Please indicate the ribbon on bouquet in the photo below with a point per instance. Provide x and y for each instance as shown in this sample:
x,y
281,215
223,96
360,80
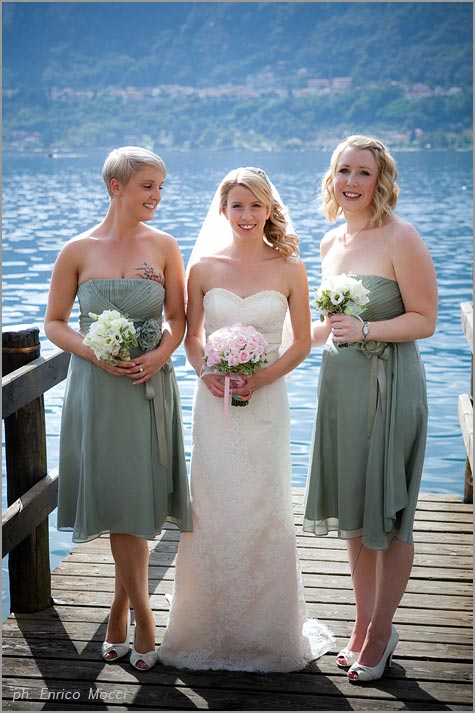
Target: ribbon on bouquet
x,y
226,402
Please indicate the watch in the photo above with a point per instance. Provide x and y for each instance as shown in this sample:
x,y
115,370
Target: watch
x,y
365,331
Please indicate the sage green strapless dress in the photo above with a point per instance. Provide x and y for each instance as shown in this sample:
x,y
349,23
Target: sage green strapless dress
x,y
122,461
370,433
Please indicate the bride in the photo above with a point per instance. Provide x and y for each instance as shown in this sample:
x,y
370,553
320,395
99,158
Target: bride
x,y
238,599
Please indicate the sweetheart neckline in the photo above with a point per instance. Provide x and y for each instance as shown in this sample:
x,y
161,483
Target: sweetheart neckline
x,y
247,297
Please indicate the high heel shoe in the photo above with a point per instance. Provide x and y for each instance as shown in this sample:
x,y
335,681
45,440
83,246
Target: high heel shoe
x,y
120,650
149,659
360,674
348,658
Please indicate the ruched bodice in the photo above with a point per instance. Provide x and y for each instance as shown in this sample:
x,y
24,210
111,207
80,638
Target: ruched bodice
x,y
265,310
370,432
122,461
385,298
137,298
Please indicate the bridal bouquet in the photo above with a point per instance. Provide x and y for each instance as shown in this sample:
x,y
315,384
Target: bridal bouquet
x,y
235,350
341,294
111,335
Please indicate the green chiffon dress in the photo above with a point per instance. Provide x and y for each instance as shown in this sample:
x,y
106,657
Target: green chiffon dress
x,y
122,462
370,433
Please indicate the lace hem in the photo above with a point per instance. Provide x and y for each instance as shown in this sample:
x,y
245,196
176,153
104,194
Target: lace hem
x,y
316,641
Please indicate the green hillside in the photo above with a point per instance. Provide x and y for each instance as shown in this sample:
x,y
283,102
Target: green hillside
x,y
218,75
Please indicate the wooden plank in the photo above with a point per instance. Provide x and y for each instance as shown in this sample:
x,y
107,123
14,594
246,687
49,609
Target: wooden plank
x,y
298,493
59,649
465,413
77,580
27,512
311,681
163,684
466,309
32,380
145,697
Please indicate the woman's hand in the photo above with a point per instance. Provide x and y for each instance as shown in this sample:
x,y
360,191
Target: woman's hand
x,y
346,329
143,367
214,384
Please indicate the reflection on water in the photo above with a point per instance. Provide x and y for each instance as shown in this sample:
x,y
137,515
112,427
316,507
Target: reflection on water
x,y
47,201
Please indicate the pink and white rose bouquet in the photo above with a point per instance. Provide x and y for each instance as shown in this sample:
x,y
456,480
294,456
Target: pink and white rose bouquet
x,y
235,350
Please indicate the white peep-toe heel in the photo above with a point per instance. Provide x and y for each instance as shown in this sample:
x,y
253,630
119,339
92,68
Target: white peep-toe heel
x,y
120,650
361,674
149,659
347,658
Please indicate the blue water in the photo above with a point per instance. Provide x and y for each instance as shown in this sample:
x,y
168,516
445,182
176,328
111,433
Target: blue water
x,y
47,201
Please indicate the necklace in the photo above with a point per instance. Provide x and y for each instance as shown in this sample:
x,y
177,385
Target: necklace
x,y
347,242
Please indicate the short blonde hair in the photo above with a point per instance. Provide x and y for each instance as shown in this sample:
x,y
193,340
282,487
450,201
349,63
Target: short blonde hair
x,y
387,190
275,229
123,162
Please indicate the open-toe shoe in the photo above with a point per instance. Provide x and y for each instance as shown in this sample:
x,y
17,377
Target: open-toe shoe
x,y
347,658
149,659
361,674
120,650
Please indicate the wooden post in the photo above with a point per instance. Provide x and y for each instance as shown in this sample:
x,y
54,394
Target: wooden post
x,y
25,453
466,405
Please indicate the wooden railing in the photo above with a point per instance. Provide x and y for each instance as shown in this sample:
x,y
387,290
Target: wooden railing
x,y
32,492
465,405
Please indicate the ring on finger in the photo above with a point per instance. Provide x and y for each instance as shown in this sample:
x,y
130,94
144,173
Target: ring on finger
x,y
140,368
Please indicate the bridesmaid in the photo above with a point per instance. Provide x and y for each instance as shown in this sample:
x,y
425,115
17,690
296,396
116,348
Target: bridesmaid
x,y
122,464
370,432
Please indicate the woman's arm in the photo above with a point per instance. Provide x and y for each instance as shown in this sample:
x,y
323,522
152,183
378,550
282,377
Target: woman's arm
x,y
319,332
62,293
194,346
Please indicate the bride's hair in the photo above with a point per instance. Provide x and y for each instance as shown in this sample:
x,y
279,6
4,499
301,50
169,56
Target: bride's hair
x,y
275,229
387,190
123,162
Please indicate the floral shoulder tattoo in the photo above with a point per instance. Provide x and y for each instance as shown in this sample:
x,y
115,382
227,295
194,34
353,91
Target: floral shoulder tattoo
x,y
147,272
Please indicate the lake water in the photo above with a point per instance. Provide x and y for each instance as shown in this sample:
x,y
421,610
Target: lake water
x,y
47,201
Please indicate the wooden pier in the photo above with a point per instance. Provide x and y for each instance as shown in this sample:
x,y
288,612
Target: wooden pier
x,y
52,660
52,643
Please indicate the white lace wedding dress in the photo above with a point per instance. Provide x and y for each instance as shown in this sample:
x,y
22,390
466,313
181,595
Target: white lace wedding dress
x,y
238,596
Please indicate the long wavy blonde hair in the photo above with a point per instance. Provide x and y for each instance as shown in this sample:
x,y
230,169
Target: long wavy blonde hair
x,y
275,229
387,190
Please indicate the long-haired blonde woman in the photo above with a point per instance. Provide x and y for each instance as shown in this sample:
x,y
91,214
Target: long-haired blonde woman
x,y
238,597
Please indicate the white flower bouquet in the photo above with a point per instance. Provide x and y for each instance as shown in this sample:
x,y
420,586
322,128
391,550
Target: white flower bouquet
x,y
111,336
235,350
341,294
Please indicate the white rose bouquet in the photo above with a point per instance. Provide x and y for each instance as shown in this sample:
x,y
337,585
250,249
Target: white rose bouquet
x,y
341,294
111,336
235,350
